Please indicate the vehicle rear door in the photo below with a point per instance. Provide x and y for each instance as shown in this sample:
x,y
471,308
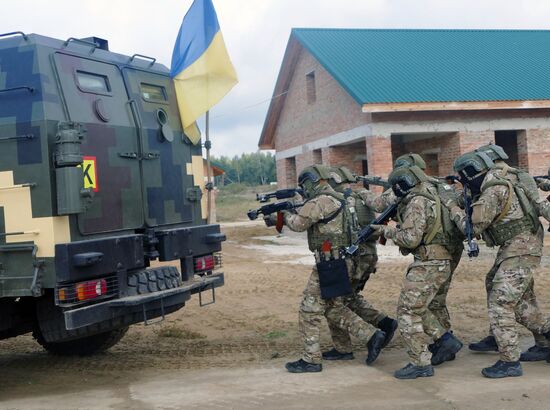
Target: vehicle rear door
x,y
166,153
95,95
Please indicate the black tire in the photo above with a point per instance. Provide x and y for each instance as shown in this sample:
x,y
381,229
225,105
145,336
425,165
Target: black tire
x,y
154,280
84,346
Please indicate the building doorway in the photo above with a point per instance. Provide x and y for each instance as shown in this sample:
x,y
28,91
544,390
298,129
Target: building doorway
x,y
509,141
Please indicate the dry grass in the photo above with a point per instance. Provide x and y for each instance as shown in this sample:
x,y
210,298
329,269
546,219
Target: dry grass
x,y
234,201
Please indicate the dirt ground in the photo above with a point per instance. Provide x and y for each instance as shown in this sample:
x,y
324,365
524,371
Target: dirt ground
x,y
231,354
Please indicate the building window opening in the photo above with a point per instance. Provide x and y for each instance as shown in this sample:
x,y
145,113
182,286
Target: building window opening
x,y
310,87
508,140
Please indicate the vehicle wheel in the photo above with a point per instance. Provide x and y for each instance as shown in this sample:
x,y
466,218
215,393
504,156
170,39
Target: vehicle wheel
x,y
84,346
50,331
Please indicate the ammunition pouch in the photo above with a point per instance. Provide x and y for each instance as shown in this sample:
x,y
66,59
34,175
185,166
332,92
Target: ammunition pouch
x,y
498,235
334,278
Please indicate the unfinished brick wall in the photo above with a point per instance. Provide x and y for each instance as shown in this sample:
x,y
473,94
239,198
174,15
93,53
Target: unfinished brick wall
x,y
286,173
333,111
538,150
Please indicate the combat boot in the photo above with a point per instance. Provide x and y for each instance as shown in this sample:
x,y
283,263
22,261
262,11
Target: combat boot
x,y
411,371
388,326
301,366
535,354
487,344
445,348
375,345
503,369
334,354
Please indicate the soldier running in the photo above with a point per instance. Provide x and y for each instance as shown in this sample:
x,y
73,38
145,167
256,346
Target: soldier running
x,y
424,230
326,217
364,261
504,215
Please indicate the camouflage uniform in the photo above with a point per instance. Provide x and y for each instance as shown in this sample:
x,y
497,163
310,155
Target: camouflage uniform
x,y
313,307
430,271
510,281
438,305
364,264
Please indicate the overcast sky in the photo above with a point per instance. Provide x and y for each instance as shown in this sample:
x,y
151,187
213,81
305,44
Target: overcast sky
x,y
256,33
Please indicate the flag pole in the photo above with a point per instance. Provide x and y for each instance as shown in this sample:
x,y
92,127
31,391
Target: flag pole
x,y
209,186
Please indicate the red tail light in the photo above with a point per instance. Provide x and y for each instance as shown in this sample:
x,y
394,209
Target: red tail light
x,y
91,289
204,263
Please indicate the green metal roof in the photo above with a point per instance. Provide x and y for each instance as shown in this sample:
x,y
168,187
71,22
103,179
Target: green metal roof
x,y
392,66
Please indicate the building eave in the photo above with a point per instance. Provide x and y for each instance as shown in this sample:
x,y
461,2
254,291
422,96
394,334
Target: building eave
x,y
282,85
454,106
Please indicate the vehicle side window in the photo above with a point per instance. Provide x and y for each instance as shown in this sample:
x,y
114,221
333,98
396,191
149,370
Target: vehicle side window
x,y
153,93
93,83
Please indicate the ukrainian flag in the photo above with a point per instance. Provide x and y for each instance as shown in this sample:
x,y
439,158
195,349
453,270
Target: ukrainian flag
x,y
201,68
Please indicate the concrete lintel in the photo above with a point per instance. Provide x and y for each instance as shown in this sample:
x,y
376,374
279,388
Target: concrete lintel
x,y
341,138
404,127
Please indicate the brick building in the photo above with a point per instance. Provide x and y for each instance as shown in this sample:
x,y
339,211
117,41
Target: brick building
x,y
362,97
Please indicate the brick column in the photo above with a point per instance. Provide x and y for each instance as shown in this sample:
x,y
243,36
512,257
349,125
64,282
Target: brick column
x,y
379,156
538,150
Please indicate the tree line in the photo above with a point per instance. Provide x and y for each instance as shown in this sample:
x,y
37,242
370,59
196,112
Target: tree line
x,y
257,168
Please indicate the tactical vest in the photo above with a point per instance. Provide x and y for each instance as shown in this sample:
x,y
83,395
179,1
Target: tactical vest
x,y
316,237
500,232
365,215
443,231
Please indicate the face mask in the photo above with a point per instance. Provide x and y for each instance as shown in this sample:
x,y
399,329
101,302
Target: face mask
x,y
475,185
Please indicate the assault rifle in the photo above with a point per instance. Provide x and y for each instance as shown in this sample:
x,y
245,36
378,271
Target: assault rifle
x,y
473,247
367,231
272,208
374,180
280,194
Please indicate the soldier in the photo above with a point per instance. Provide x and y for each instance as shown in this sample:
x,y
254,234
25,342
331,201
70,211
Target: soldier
x,y
541,349
506,218
424,230
544,183
326,217
438,305
364,262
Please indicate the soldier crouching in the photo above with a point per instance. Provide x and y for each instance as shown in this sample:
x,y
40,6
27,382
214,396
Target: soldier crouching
x,y
425,230
326,218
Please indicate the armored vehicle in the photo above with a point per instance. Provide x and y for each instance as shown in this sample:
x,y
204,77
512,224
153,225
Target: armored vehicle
x,y
97,180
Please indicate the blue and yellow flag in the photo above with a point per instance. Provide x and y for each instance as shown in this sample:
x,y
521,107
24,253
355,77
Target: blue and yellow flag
x,y
201,68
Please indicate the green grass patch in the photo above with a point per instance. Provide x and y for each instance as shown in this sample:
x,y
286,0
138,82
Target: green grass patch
x,y
276,334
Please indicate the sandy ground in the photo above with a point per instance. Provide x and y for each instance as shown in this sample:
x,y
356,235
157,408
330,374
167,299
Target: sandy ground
x,y
231,354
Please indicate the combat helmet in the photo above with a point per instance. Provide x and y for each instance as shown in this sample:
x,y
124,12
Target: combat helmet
x,y
409,160
310,177
472,165
403,179
495,152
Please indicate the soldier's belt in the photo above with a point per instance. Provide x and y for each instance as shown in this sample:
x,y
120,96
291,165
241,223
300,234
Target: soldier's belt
x,y
503,232
431,252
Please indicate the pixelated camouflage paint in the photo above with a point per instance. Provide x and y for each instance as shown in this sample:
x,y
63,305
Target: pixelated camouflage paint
x,y
123,203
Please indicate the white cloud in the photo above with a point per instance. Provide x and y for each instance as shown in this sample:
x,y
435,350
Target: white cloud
x,y
256,32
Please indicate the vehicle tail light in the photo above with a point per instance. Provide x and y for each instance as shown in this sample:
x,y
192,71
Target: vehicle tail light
x,y
204,263
91,289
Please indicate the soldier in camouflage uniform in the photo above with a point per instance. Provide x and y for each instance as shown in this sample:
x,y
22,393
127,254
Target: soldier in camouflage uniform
x,y
424,230
438,305
544,183
364,261
325,217
541,349
504,215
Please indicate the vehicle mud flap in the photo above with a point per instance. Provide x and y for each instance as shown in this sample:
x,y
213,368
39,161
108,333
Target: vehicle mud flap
x,y
148,322
333,278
